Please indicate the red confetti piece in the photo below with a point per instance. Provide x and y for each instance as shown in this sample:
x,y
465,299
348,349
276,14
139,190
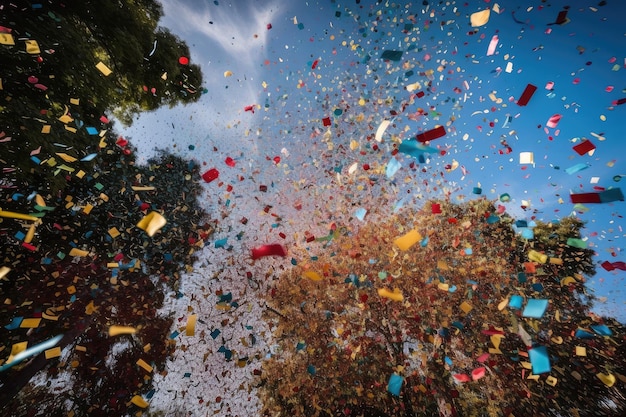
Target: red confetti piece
x,y
584,147
211,175
121,142
431,134
230,161
268,250
526,95
183,60
610,266
461,377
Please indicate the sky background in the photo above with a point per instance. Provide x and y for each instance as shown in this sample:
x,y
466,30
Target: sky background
x,y
322,59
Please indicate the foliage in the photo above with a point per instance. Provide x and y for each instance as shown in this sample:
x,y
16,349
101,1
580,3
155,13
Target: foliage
x,y
63,163
60,89
86,295
339,341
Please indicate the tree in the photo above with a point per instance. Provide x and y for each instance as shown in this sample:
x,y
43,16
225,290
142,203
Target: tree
x,y
80,264
89,267
428,299
54,96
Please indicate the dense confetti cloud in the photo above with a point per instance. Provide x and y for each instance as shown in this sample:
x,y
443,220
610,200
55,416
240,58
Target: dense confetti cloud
x,y
362,208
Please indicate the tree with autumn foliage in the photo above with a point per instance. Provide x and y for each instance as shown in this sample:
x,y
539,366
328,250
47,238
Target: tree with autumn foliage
x,y
417,315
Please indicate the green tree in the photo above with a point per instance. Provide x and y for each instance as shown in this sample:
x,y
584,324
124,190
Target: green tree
x,y
440,316
55,99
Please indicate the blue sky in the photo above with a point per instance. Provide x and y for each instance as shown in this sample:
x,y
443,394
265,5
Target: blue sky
x,y
321,59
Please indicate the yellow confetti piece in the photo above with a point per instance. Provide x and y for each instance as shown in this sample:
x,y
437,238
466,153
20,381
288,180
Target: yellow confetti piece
x,y
39,200
312,275
151,223
50,317
18,216
466,307
106,71
139,401
55,352
78,252
16,349
607,379
557,339
117,330
603,118
7,39
45,129
66,157
443,286
90,308
406,241
71,290
581,351
191,325
4,271
32,323
395,295
143,188
550,380
30,234
87,209
32,47
568,280
537,257
480,18
75,101
113,232
144,365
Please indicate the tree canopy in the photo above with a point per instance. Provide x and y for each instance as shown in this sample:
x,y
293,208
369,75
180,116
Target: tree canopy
x,y
452,310
90,239
67,66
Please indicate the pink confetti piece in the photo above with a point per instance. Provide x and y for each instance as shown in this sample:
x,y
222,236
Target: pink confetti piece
x,y
553,121
492,45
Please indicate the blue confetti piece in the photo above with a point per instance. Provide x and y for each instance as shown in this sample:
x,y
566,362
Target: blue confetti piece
x,y
535,308
539,360
89,157
576,168
360,213
91,130
15,323
516,302
215,333
395,384
601,329
392,167
220,243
